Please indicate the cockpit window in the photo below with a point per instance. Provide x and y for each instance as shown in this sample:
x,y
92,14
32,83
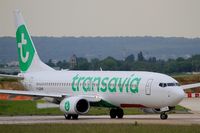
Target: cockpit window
x,y
168,84
162,84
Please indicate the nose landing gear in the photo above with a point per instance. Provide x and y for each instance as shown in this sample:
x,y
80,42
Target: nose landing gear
x,y
163,116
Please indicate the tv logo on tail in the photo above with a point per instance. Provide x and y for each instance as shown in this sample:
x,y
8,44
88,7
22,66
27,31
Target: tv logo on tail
x,y
20,45
25,48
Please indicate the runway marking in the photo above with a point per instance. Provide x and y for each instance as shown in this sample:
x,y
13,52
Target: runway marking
x,y
178,119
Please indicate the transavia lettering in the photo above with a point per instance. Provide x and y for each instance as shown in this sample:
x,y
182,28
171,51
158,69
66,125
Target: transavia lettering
x,y
106,84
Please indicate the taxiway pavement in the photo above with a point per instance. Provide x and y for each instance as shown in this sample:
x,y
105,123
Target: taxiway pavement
x,y
178,119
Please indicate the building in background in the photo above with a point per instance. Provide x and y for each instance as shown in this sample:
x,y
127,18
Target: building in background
x,y
73,61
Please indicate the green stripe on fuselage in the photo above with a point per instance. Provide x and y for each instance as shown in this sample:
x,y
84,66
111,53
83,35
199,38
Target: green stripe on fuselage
x,y
103,103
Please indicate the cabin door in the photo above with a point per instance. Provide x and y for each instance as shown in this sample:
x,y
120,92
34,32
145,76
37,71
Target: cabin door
x,y
148,87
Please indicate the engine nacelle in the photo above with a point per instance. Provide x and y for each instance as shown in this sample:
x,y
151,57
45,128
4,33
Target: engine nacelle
x,y
74,105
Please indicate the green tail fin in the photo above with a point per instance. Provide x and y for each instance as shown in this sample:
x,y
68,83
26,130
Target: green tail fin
x,y
27,54
25,48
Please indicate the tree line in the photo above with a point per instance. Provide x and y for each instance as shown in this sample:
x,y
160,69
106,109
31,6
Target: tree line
x,y
131,63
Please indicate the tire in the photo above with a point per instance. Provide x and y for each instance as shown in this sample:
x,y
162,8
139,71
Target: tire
x,y
113,113
67,116
75,116
120,113
163,116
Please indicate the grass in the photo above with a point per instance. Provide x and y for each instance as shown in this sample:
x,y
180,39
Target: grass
x,y
11,108
29,108
187,79
25,108
98,128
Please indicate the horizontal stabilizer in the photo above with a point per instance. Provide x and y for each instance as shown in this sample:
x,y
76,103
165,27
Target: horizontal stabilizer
x,y
11,76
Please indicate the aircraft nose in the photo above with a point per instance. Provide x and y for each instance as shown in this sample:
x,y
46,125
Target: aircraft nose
x,y
177,95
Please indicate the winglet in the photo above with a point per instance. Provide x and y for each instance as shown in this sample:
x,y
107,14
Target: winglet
x,y
18,18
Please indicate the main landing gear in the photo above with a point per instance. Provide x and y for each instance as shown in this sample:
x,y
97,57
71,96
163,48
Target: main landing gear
x,y
118,112
163,116
71,116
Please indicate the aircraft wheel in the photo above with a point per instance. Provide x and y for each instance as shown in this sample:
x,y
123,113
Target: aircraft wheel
x,y
120,113
163,116
113,113
67,116
75,116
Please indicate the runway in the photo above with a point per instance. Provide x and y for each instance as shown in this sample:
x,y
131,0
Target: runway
x,y
179,119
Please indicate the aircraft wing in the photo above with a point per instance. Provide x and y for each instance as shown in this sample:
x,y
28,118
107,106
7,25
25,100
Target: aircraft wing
x,y
189,86
90,98
11,76
31,93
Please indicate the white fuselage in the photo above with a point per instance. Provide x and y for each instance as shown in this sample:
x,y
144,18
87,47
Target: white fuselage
x,y
119,88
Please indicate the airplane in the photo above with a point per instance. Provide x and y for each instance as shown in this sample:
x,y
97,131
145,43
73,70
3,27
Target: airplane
x,y
76,91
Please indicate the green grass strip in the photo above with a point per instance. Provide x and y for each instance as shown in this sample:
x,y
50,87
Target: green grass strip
x,y
98,128
11,108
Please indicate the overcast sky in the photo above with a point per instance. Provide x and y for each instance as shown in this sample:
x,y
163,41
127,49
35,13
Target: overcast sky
x,y
169,18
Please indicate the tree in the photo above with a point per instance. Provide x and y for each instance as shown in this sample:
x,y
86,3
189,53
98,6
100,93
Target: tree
x,y
130,58
152,59
62,64
83,63
50,63
109,64
140,56
95,64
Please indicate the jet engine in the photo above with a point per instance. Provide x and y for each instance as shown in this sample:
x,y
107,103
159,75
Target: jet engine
x,y
74,105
